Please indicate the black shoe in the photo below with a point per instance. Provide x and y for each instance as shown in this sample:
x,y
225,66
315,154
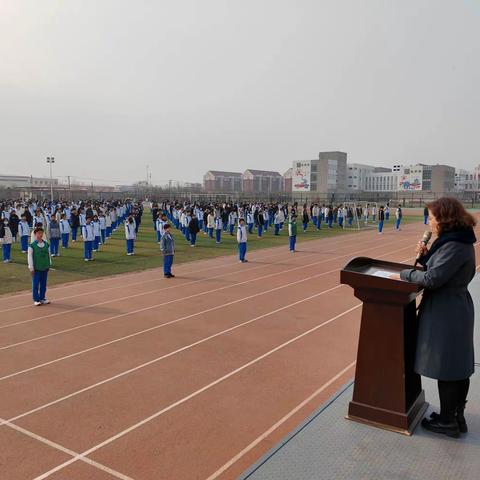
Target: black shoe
x,y
462,424
437,426
167,275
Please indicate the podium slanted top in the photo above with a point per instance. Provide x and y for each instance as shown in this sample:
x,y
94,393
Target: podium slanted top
x,y
368,273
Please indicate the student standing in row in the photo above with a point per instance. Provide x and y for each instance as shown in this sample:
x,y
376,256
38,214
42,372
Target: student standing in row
x,y
54,236
398,215
218,229
108,225
24,231
64,230
305,218
250,222
167,247
210,224
260,222
88,238
242,240
425,215
103,227
97,234
39,264
193,228
75,224
6,240
292,233
381,219
130,235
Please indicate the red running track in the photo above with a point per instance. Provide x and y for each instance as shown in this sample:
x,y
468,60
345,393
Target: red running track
x,y
138,377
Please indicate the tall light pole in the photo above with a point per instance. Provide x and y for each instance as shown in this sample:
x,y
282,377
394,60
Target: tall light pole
x,y
50,161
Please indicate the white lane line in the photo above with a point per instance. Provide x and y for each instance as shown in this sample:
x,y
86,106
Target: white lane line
x,y
162,325
116,300
181,299
290,414
83,457
127,285
170,354
192,395
156,327
61,448
156,290
160,272
167,355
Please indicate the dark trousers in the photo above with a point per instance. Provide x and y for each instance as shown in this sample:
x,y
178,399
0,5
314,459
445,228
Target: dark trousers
x,y
452,395
39,285
167,264
242,250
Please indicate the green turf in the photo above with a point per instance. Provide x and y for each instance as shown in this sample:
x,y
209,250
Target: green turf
x,y
112,259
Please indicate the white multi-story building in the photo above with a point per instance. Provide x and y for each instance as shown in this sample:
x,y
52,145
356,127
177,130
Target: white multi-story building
x,y
356,176
381,182
466,181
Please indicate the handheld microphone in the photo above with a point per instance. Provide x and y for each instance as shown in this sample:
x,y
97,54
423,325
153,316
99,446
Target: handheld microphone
x,y
425,239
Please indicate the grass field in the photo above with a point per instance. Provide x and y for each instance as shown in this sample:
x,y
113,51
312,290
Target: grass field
x,y
112,259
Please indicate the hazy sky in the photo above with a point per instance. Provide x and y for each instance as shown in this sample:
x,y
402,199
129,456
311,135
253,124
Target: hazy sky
x,y
110,86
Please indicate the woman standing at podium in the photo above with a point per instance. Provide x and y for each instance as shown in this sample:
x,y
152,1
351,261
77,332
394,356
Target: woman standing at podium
x,y
446,315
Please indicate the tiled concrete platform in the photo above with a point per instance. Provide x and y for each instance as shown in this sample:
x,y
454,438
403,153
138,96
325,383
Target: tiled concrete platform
x,y
327,446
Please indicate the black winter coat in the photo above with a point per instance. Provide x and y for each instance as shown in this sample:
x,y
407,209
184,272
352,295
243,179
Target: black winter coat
x,y
446,316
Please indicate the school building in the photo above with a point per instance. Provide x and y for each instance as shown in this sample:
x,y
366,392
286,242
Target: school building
x,y
215,181
261,181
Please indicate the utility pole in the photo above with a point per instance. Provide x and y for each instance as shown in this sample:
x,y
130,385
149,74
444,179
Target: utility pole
x,y
51,161
69,188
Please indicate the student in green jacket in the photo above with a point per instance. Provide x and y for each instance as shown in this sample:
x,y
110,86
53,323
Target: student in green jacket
x,y
39,264
292,232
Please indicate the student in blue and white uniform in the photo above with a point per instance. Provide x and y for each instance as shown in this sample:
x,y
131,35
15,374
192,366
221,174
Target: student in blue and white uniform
x,y
130,235
340,216
266,219
97,234
88,238
24,232
387,213
250,221
232,221
64,230
103,227
398,216
276,223
108,225
242,240
381,219
54,236
167,247
210,224
159,223
6,240
218,229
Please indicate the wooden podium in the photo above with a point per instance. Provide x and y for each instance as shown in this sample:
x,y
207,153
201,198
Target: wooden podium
x,y
387,392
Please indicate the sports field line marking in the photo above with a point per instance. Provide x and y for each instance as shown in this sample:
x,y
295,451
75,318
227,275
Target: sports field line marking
x,y
159,273
290,414
157,270
192,395
96,322
63,449
170,354
177,285
156,290
82,456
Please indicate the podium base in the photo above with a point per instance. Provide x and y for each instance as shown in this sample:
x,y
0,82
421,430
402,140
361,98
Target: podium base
x,y
404,423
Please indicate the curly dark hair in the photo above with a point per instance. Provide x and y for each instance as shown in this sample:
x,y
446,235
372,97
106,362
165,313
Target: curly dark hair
x,y
451,215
